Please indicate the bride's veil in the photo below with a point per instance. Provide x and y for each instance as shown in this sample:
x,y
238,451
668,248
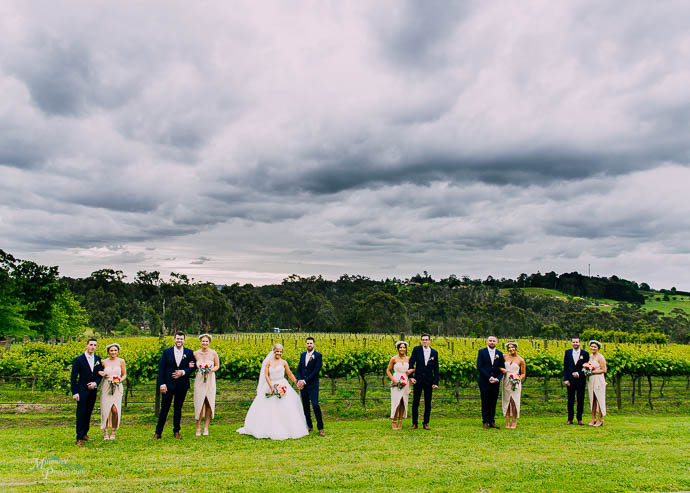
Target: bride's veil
x,y
262,388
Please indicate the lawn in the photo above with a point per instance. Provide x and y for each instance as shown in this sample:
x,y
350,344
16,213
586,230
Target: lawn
x,y
630,453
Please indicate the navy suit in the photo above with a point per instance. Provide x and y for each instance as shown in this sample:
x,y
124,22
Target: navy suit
x,y
488,390
426,375
310,393
577,385
81,376
177,388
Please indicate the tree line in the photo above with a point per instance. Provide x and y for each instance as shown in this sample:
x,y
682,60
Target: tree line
x,y
35,301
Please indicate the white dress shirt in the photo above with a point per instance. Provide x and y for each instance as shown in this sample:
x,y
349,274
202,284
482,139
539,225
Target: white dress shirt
x,y
492,354
576,355
178,355
307,357
90,359
427,354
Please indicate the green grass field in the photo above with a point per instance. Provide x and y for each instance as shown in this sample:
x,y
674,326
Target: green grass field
x,y
630,453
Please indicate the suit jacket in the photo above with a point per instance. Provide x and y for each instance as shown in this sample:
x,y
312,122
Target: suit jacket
x,y
424,373
167,365
488,368
309,372
570,367
83,375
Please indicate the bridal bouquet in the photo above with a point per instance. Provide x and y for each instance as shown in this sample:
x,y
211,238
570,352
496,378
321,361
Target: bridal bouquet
x,y
205,369
278,391
588,369
114,383
514,380
402,383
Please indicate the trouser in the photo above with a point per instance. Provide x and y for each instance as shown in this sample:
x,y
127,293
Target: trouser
x,y
84,409
489,395
576,389
178,395
310,395
416,396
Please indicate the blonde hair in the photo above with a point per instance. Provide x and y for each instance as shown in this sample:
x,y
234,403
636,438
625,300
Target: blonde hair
x,y
277,345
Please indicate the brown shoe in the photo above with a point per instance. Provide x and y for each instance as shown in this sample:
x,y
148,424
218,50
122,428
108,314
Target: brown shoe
x,y
487,425
413,427
580,423
178,436
426,427
87,439
494,425
156,436
322,433
310,429
569,422
80,443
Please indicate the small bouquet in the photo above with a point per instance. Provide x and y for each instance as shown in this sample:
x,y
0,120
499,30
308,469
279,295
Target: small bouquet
x,y
278,390
588,369
205,369
514,380
401,384
114,383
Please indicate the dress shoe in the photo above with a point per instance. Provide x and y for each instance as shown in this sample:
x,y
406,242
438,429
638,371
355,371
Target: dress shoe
x,y
580,423
80,443
178,436
310,429
494,425
322,433
569,422
426,427
156,436
87,439
487,425
413,427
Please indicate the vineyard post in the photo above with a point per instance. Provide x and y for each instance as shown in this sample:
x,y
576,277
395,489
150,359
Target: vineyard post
x,y
546,388
633,390
649,395
157,405
363,391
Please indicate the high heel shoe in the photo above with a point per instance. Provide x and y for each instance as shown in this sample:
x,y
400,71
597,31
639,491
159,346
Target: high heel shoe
x,y
205,432
106,437
198,433
112,436
598,424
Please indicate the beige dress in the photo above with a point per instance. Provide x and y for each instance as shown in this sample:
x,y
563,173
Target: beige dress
x,y
508,391
204,390
397,395
108,400
596,385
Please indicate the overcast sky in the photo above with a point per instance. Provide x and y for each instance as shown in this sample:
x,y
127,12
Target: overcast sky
x,y
246,141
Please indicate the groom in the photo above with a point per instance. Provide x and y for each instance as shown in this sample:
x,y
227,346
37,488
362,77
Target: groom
x,y
174,368
489,363
424,362
308,383
574,378
84,381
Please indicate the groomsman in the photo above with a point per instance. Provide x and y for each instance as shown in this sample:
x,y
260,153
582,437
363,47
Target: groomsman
x,y
174,368
308,370
424,362
489,363
84,381
574,378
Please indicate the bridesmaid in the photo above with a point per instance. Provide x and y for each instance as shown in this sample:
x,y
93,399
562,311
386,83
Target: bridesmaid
x,y
114,370
596,384
205,383
514,365
400,364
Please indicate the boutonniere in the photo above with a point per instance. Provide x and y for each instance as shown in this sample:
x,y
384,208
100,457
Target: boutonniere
x,y
312,358
431,358
97,363
495,356
582,357
184,356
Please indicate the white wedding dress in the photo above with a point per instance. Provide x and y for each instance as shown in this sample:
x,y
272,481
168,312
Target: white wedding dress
x,y
274,418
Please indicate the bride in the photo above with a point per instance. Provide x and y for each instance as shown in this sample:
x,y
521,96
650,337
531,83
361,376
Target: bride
x,y
276,412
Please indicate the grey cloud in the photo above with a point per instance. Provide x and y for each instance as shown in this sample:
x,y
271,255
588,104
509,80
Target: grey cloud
x,y
200,260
